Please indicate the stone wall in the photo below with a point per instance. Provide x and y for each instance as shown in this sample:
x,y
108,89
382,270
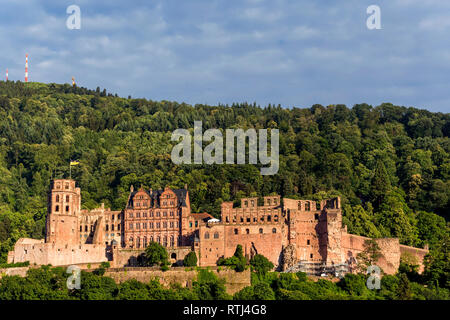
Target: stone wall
x,y
56,254
128,257
20,271
234,281
418,254
391,251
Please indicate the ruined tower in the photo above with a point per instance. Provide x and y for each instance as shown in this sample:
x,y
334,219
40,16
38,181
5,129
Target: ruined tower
x,y
64,204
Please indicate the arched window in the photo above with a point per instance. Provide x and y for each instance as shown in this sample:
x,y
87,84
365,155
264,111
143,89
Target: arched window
x,y
131,241
145,242
173,256
275,218
159,240
299,206
236,231
165,241
247,231
216,235
107,227
138,242
172,242
57,208
274,230
57,198
269,218
260,230
85,228
67,198
206,235
308,206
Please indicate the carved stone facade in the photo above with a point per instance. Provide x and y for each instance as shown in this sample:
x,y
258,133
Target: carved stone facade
x,y
288,232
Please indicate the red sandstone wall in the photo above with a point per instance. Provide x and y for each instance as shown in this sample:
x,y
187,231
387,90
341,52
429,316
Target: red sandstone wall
x,y
234,281
419,254
58,254
267,243
390,250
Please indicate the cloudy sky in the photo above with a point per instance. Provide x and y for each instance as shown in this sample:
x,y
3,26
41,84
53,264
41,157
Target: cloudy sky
x,y
292,52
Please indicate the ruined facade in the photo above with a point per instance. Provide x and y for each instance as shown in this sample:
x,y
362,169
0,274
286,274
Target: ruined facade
x,y
290,233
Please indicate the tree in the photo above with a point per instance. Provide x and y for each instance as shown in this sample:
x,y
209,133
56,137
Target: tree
x,y
209,287
190,260
238,261
156,254
261,265
437,264
404,288
369,256
262,291
380,184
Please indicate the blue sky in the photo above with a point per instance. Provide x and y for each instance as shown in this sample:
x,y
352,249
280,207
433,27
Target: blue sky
x,y
292,52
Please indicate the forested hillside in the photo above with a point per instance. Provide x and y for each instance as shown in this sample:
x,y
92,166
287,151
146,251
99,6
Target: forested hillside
x,y
390,164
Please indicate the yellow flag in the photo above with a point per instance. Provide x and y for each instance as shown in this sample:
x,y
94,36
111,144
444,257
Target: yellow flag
x,y
74,163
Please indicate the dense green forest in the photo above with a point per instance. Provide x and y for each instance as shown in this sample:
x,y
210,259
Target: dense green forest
x,y
390,164
47,283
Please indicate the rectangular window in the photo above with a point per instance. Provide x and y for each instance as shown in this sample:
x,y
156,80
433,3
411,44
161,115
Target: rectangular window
x,y
131,226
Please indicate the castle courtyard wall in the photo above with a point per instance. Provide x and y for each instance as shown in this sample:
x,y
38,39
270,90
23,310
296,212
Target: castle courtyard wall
x,y
58,254
234,281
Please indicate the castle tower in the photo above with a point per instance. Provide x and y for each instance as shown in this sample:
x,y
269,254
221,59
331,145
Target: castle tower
x,y
64,206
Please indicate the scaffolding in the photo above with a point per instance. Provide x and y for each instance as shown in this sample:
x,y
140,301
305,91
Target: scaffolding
x,y
320,269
